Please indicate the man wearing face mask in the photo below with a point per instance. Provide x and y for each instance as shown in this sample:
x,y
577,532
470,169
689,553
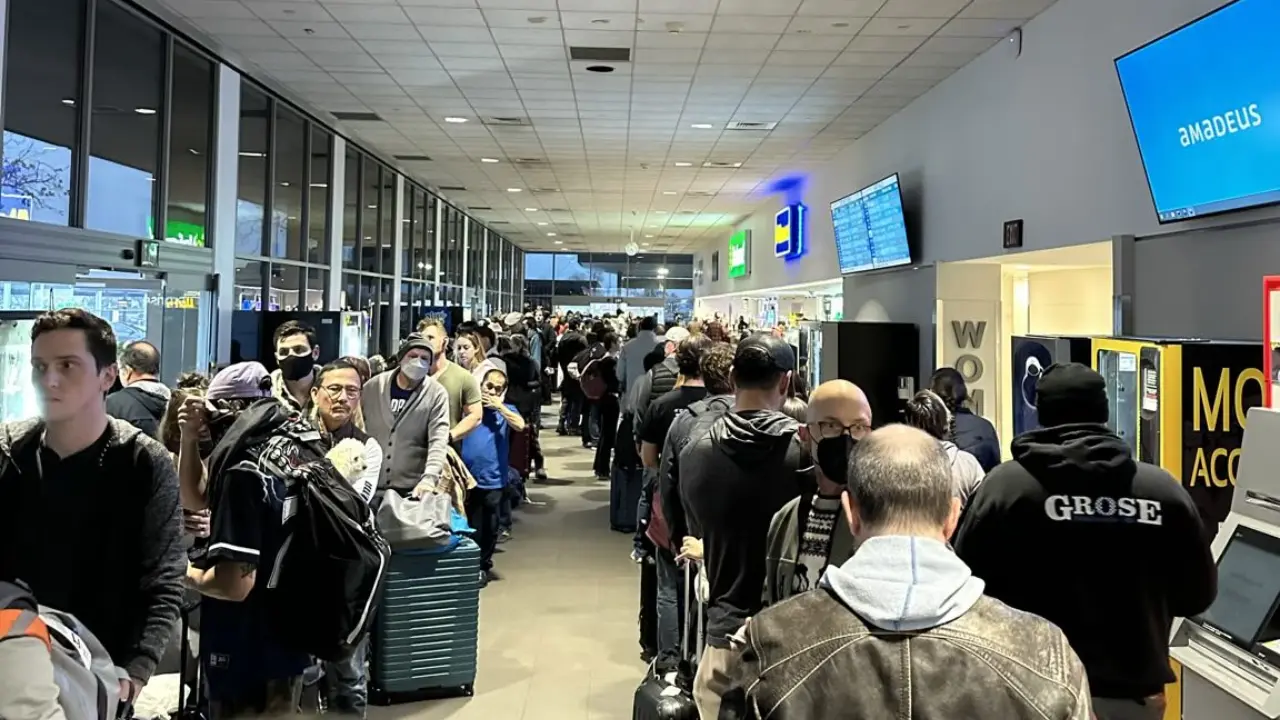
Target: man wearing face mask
x,y
809,533
407,413
295,375
734,477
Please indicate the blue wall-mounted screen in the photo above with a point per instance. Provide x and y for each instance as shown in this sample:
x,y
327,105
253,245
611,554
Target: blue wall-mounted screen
x,y
1205,105
870,229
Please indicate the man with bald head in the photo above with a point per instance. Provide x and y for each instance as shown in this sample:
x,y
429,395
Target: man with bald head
x,y
904,616
808,533
142,400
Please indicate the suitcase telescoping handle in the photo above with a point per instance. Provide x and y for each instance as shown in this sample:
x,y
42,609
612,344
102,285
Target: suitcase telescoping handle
x,y
693,609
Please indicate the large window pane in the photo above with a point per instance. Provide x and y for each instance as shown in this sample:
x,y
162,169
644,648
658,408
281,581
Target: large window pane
x,y
286,287
428,260
290,183
317,282
189,147
387,224
415,235
372,183
351,291
249,284
41,101
124,142
251,198
350,212
318,227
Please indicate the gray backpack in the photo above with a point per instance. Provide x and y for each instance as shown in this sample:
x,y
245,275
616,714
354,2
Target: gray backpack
x,y
88,682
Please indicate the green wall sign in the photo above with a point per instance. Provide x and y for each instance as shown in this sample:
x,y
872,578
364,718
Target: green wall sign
x,y
740,254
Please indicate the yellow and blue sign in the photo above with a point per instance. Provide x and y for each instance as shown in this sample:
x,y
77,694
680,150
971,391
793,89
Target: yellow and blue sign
x,y
788,231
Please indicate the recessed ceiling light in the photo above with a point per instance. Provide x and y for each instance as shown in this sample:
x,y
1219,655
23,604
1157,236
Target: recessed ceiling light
x,y
373,207
489,160
541,224
320,185
251,154
559,242
284,183
454,119
659,212
551,234
668,192
145,111
513,189
648,236
193,151
702,126
69,101
645,244
684,164
600,68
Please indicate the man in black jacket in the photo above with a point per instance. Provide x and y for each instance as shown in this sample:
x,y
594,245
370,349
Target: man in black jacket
x,y
142,400
734,477
571,343
89,517
1106,548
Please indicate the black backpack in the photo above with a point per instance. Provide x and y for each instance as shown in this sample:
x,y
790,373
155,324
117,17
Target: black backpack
x,y
323,587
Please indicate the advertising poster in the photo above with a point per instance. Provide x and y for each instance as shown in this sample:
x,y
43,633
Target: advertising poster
x,y
1220,382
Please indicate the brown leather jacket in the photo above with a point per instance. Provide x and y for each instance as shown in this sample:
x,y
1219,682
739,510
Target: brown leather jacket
x,y
812,658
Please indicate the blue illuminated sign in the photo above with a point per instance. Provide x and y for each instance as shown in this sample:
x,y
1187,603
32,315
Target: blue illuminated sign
x,y
788,231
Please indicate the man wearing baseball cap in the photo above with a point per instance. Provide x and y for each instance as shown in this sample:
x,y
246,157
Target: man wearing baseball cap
x,y
1109,549
407,412
739,472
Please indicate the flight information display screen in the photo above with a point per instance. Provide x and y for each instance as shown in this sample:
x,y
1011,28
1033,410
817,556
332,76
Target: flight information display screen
x,y
870,228
1248,587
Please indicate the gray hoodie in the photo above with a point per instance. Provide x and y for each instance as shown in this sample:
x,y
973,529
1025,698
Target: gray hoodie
x,y
966,472
905,584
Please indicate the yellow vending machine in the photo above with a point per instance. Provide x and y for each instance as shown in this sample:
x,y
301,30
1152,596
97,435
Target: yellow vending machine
x,y
1181,404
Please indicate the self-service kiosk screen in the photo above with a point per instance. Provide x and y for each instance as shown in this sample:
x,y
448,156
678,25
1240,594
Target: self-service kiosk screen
x,y
1248,587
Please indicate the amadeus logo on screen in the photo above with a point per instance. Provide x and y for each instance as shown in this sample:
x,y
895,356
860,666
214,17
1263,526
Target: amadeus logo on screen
x,y
1229,123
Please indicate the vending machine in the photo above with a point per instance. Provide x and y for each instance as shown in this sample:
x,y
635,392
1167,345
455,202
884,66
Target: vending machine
x,y
882,358
1032,354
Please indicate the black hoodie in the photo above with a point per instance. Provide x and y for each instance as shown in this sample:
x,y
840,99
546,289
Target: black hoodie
x,y
733,479
1108,549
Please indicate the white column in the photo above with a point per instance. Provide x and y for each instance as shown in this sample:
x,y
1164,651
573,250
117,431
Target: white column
x,y
337,205
467,291
226,173
440,241
397,260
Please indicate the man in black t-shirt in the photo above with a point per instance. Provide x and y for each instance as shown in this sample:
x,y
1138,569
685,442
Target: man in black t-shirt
x,y
654,425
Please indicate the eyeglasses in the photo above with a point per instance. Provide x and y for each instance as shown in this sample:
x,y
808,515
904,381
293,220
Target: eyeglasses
x,y
826,429
336,391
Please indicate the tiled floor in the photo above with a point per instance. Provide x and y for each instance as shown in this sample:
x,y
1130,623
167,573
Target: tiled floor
x,y
558,637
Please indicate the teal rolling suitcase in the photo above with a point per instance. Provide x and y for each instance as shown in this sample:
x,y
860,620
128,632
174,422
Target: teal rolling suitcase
x,y
425,635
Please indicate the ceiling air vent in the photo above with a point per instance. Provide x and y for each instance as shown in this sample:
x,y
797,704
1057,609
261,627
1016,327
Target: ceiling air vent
x,y
601,54
498,222
544,190
413,158
507,121
751,125
356,116
687,212
478,207
451,188
530,162
551,210
700,193
721,165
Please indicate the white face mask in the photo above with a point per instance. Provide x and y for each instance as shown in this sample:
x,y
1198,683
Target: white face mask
x,y
415,370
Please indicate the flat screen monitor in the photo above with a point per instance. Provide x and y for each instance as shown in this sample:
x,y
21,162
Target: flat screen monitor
x,y
1204,102
870,229
1248,593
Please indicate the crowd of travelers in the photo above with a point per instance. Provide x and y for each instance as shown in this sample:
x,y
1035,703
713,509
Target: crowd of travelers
x,y
810,542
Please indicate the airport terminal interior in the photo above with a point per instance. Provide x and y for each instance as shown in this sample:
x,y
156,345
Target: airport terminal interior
x,y
890,186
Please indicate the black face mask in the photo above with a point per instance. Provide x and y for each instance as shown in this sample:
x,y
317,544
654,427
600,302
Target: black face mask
x,y
833,457
296,367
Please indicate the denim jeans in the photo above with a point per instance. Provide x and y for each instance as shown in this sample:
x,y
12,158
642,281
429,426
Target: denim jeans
x,y
510,496
347,684
482,514
624,498
671,609
570,406
591,423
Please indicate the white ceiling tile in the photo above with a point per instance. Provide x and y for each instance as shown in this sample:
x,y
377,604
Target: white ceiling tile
x,y
666,55
702,7
344,61
454,34
382,31
515,4
439,3
795,41
979,28
445,50
606,6
237,27
945,60
671,40
213,9
288,10
366,13
531,52
446,17
294,29
730,70
598,21
365,79
599,38
246,43
808,25
749,24
855,72
880,43
519,19
758,7
1005,9
509,36
335,45
922,27
921,8
870,59
664,22
966,45
920,73
841,8
281,60
801,57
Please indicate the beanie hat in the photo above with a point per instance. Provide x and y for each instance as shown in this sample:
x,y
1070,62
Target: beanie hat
x,y
417,340
1070,393
241,381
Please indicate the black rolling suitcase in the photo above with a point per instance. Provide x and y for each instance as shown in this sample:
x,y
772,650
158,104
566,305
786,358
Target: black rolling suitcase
x,y
658,699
